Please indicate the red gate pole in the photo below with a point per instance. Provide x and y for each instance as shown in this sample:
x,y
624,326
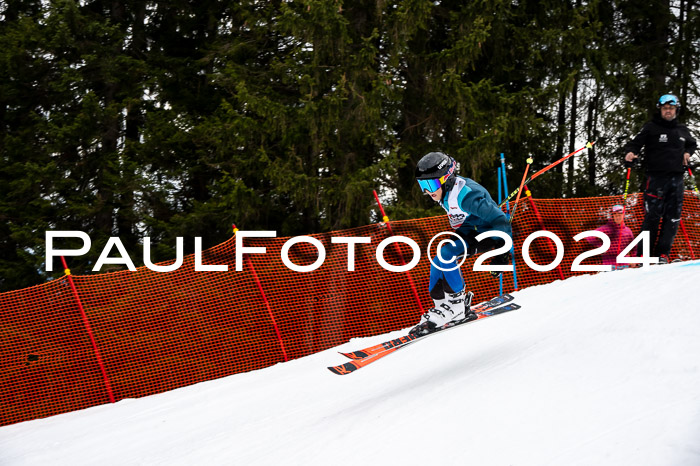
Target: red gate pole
x,y
687,240
88,328
539,219
520,189
267,303
385,219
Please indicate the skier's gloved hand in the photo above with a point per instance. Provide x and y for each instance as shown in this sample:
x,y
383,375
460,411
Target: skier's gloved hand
x,y
629,164
501,259
471,242
487,244
475,247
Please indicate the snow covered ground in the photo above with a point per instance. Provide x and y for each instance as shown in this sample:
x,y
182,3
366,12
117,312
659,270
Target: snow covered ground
x,y
594,370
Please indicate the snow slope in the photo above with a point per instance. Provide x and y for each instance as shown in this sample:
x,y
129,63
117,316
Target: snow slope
x,y
594,370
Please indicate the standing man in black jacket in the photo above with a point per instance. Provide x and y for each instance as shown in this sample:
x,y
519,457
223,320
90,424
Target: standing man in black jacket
x,y
668,148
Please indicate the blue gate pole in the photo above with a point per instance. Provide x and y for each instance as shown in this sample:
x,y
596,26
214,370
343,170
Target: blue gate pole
x,y
500,277
512,249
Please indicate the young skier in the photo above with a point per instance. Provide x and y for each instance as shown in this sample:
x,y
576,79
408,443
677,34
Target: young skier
x,y
471,211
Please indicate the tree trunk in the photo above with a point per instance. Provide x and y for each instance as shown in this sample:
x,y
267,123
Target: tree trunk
x,y
559,151
572,138
592,135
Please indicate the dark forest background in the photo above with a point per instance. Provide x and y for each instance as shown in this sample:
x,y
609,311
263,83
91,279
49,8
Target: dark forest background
x,y
180,117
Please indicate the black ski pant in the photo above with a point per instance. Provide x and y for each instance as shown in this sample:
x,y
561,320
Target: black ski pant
x,y
663,202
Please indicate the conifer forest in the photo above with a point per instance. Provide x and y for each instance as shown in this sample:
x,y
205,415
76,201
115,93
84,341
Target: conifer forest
x,y
177,118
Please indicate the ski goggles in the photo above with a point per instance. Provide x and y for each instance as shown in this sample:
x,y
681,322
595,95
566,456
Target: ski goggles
x,y
431,185
617,209
669,99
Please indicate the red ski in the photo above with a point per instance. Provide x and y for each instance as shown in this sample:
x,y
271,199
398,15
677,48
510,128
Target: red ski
x,y
369,355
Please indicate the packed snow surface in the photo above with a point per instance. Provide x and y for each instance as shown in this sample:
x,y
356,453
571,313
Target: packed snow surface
x,y
594,370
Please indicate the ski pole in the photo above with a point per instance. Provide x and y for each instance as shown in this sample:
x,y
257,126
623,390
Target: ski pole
x,y
627,187
551,165
695,185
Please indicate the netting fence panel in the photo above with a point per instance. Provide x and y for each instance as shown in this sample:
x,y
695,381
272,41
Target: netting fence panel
x,y
159,331
47,365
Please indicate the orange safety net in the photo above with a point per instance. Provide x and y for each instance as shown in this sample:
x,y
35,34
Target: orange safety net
x,y
160,331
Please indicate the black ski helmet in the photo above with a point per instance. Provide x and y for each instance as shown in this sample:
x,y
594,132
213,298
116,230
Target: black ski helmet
x,y
434,170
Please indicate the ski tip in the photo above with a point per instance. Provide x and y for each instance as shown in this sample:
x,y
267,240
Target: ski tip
x,y
343,369
500,310
355,355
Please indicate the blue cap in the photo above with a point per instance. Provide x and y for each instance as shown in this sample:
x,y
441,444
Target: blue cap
x,y
669,99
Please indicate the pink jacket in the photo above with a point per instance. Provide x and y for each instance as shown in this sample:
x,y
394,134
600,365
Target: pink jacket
x,y
620,237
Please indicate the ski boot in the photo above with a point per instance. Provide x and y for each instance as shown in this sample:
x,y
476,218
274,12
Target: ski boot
x,y
468,313
453,308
